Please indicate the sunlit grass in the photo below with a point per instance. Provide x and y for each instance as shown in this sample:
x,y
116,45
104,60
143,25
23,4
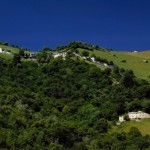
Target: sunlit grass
x,y
143,126
5,56
134,61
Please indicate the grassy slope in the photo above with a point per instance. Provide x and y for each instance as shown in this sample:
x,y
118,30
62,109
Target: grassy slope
x,y
11,49
134,61
143,126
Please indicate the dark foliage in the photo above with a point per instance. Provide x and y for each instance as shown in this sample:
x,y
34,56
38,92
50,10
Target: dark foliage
x,y
67,104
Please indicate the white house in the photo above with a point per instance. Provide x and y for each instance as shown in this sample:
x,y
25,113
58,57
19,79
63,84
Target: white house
x,y
135,116
33,55
135,51
93,59
138,115
55,55
4,51
121,119
1,50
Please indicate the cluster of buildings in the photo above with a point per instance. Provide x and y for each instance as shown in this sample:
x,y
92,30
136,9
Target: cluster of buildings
x,y
135,116
93,60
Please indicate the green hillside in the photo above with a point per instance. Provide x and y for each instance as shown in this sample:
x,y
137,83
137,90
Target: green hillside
x,y
68,104
142,125
9,48
5,56
13,50
134,61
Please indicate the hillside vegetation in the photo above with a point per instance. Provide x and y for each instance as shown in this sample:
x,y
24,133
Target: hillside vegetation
x,y
133,61
69,104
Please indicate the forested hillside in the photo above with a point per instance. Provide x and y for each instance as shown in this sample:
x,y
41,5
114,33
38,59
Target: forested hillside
x,y
68,104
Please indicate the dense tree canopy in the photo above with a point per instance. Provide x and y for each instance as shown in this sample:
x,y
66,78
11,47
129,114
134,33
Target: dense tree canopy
x,y
67,104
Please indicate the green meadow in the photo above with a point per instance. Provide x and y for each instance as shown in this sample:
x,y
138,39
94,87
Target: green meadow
x,y
12,49
9,48
5,56
143,126
134,61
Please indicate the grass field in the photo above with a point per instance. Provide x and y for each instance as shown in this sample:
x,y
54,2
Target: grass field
x,y
5,56
143,126
134,61
11,49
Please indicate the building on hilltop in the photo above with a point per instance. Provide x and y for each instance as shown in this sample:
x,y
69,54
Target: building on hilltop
x,y
33,55
63,54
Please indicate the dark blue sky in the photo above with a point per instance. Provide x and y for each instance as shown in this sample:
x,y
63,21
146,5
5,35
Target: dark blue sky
x,y
116,24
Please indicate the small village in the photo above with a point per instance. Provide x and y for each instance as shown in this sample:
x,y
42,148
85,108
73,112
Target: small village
x,y
88,58
33,56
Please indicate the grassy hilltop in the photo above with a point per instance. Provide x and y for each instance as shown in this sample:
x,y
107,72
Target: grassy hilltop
x,y
9,48
134,61
13,50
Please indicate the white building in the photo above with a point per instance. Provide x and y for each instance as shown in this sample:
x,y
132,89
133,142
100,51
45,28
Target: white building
x,y
1,50
105,64
138,115
4,51
55,55
93,59
33,55
135,116
121,119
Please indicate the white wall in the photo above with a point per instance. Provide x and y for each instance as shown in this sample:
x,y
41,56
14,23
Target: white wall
x,y
121,119
139,114
0,50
